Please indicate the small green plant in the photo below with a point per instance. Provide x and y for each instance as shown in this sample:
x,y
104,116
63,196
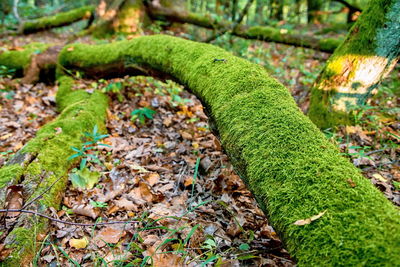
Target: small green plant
x,y
98,204
360,152
142,114
93,140
5,71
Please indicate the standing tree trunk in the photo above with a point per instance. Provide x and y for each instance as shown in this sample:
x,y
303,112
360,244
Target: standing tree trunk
x,y
122,16
276,9
314,6
368,54
260,4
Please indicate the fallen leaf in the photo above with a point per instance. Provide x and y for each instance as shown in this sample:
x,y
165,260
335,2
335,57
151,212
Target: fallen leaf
x,y
309,220
108,235
379,177
71,48
126,204
152,178
85,210
351,182
78,243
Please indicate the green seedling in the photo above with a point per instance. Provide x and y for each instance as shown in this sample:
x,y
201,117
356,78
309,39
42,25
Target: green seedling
x,y
142,114
93,140
98,204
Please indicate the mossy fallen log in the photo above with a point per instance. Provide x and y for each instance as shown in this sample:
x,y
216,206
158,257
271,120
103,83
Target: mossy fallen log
x,y
288,164
43,163
58,20
19,59
263,33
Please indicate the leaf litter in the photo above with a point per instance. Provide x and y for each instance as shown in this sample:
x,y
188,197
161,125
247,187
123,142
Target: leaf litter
x,y
148,175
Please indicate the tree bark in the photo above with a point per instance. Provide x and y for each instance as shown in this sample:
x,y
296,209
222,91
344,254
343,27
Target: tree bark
x,y
288,164
368,54
118,16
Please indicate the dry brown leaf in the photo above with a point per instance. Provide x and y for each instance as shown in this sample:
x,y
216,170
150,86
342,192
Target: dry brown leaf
x,y
379,177
14,199
188,181
309,220
108,235
4,252
186,135
152,178
126,204
85,210
145,192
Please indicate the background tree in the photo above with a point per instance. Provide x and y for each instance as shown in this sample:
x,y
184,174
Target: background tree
x,y
368,54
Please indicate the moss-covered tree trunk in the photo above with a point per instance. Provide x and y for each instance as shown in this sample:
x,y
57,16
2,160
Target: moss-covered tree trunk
x,y
288,164
368,54
58,20
119,16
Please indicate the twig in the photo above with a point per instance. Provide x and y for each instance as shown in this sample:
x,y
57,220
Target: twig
x,y
65,222
41,195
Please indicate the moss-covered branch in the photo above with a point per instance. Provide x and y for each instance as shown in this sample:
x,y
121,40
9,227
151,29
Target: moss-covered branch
x,y
44,161
18,60
264,33
293,171
61,19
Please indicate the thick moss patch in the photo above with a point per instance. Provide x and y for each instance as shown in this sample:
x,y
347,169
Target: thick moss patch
x,y
19,59
51,147
291,168
61,19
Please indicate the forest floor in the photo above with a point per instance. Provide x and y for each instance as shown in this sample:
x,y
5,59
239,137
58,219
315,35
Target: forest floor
x,y
169,173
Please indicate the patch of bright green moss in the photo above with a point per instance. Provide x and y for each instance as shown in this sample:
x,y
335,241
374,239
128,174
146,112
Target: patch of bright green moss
x,y
19,59
23,242
8,173
285,160
61,19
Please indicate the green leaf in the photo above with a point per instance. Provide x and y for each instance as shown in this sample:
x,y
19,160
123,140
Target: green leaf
x,y
84,178
396,185
244,246
246,257
190,234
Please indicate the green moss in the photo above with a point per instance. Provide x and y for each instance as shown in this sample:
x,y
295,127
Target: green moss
x,y
58,20
288,164
9,173
374,34
19,59
23,242
80,112
271,34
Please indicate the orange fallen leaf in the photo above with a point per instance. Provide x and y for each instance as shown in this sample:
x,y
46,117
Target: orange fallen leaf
x,y
71,48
